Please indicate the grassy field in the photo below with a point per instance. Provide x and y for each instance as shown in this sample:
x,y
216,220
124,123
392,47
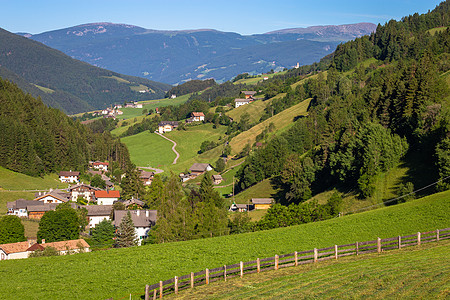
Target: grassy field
x,y
119,272
280,121
149,150
254,109
294,85
416,272
10,180
255,80
261,190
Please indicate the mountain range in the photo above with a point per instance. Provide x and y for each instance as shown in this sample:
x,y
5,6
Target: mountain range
x,y
66,83
177,56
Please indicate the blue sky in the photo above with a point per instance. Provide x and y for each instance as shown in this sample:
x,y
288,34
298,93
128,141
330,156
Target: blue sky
x,y
243,16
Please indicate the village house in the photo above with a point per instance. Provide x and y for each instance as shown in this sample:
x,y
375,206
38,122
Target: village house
x,y
198,169
53,196
262,203
23,249
84,191
107,197
20,207
241,207
146,177
98,213
133,203
37,211
143,221
239,102
69,176
166,126
248,94
99,165
197,116
217,179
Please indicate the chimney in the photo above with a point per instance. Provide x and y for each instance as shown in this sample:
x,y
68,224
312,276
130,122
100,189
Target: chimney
x,y
137,212
146,213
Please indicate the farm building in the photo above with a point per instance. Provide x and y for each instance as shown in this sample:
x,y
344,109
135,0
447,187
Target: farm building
x,y
239,102
166,126
262,203
69,176
198,168
217,179
248,94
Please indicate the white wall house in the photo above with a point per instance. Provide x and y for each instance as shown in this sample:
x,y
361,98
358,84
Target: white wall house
x,y
53,196
143,221
98,213
107,197
14,250
69,176
240,102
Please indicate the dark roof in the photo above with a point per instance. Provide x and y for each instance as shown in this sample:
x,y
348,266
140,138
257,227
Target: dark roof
x,y
262,200
146,174
68,173
42,207
83,185
146,218
98,210
251,93
22,203
133,201
198,167
58,194
217,177
241,100
242,206
173,123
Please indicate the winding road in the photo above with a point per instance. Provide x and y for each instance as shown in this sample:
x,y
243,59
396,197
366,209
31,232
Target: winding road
x,y
173,147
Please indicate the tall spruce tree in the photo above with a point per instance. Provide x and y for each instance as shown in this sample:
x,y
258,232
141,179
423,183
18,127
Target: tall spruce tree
x,y
126,234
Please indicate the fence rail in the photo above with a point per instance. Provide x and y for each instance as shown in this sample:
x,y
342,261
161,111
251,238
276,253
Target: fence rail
x,y
174,285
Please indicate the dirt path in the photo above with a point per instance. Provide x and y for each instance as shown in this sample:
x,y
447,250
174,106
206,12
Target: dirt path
x,y
173,147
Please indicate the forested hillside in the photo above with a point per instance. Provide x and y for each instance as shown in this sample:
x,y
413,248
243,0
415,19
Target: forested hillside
x,y
66,83
382,100
37,140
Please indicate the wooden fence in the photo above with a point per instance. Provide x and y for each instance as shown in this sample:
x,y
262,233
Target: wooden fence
x,y
176,284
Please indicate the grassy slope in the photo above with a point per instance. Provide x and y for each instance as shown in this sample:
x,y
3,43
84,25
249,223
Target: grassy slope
x,y
149,150
416,272
119,272
255,80
280,121
254,109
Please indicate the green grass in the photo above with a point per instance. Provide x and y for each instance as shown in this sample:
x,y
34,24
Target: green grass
x,y
416,272
255,80
280,121
433,31
295,84
119,272
44,89
149,150
9,196
10,180
263,189
254,109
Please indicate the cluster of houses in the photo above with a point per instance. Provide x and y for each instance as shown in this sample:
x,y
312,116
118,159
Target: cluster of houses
x,y
248,98
198,169
166,126
256,203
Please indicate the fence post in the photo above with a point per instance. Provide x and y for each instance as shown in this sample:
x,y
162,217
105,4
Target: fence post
x,y
192,280
315,255
336,251
207,276
399,242
241,267
258,265
147,292
357,248
437,235
418,239
296,258
160,289
176,284
154,294
378,245
276,262
225,272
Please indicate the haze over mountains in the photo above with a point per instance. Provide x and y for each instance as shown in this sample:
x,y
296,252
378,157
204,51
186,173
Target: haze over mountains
x,y
177,56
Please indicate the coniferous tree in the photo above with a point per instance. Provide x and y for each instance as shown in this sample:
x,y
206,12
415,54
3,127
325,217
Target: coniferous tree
x,y
11,230
126,234
103,233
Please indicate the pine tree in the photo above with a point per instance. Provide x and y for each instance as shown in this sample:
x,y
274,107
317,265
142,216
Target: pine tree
x,y
126,234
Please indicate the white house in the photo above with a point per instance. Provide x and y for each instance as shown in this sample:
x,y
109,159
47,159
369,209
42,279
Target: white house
x,y
69,176
63,247
240,102
198,168
14,250
20,207
197,116
98,213
166,126
53,196
143,221
82,190
99,165
107,197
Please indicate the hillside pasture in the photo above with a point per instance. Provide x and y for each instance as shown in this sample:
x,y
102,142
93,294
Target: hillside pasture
x,y
119,272
254,109
280,121
257,79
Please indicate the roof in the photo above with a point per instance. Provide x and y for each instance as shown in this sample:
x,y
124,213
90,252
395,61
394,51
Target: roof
x,y
251,93
139,221
262,200
62,245
241,100
146,175
83,185
98,210
98,163
68,173
217,177
57,194
42,207
197,114
242,206
15,247
199,167
172,123
21,203
133,201
107,194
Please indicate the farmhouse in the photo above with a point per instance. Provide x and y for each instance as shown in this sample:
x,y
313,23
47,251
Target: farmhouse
x,y
217,179
248,94
133,204
14,250
240,102
69,176
198,169
53,196
107,197
37,211
98,213
63,247
143,221
83,190
197,116
102,166
20,207
241,207
166,126
146,177
262,203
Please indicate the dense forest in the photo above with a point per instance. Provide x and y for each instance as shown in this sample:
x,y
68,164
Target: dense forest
x,y
37,140
381,98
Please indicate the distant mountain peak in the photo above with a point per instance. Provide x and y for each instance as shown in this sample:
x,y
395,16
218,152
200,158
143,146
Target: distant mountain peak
x,y
357,29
